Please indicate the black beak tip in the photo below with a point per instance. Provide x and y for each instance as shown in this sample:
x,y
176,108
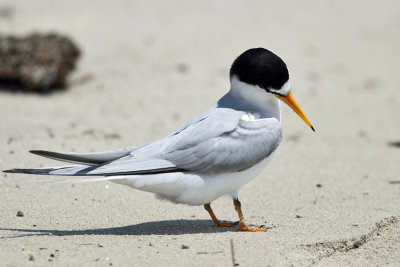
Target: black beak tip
x,y
312,128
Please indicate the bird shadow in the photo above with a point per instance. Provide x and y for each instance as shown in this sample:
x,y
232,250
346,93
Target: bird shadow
x,y
168,227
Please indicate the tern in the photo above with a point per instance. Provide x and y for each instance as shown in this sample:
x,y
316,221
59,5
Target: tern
x,y
212,155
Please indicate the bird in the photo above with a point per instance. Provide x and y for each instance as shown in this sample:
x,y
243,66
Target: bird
x,y
212,155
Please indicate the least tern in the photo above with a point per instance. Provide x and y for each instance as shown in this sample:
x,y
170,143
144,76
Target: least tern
x,y
212,155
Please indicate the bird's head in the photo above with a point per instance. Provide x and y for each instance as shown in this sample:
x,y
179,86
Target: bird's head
x,y
265,70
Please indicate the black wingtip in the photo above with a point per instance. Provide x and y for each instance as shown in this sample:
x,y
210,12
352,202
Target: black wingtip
x,y
312,128
31,171
36,152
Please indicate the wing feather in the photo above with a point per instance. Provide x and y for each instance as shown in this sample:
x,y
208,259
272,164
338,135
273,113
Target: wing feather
x,y
93,158
222,143
217,141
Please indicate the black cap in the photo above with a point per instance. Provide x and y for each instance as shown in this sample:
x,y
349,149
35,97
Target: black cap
x,y
258,66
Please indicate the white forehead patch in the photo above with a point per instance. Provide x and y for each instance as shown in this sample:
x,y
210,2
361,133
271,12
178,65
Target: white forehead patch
x,y
282,91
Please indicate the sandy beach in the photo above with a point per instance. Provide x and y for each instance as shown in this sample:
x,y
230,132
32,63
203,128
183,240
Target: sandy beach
x,y
330,198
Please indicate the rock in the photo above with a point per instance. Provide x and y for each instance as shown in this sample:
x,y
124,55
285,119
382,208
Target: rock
x,y
38,62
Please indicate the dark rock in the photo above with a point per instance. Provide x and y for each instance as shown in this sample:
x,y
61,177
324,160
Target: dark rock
x,y
38,62
395,144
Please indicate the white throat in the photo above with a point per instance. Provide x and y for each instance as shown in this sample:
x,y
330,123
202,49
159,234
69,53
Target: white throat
x,y
255,99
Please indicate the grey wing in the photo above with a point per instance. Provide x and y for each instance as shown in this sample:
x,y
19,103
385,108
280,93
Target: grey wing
x,y
216,141
155,157
224,143
183,150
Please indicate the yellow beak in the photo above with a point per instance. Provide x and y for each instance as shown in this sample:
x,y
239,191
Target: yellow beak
x,y
292,103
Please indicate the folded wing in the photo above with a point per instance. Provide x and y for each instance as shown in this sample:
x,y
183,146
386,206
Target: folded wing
x,y
216,141
224,143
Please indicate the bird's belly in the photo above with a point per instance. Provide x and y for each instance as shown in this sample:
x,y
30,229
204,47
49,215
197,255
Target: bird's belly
x,y
193,188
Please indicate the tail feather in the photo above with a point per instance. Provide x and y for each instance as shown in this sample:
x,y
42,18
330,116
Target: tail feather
x,y
83,180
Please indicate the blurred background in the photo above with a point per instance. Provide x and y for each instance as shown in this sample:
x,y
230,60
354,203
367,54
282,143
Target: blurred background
x,y
146,67
344,55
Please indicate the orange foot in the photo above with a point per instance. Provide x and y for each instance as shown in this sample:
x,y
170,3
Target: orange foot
x,y
245,228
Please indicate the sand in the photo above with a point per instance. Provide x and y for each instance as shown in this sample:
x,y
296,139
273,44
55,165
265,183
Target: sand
x,y
328,198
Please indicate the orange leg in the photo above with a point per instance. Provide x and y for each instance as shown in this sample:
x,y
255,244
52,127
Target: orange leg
x,y
217,222
243,225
